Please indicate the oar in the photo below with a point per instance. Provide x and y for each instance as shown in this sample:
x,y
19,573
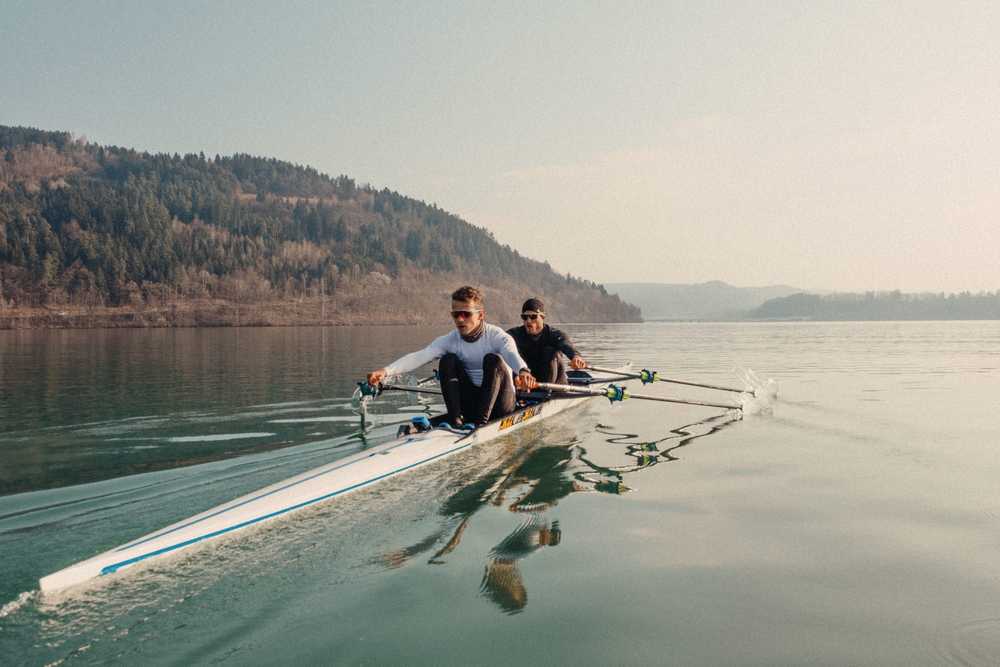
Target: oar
x,y
425,390
615,393
416,390
652,376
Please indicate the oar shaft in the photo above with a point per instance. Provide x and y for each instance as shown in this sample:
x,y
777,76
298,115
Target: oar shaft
x,y
572,389
707,386
724,406
673,381
599,392
416,390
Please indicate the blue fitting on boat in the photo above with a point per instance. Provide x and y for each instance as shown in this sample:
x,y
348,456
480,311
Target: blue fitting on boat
x,y
646,376
421,422
615,393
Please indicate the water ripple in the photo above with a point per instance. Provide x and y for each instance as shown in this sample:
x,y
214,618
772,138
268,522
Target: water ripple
x,y
974,643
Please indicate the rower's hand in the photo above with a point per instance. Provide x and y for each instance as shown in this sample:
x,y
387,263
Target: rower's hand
x,y
525,381
376,377
578,362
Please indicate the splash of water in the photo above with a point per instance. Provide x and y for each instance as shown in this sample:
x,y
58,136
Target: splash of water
x,y
753,405
760,395
761,388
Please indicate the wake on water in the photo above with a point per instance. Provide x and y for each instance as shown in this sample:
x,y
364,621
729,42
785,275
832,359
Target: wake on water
x,y
16,604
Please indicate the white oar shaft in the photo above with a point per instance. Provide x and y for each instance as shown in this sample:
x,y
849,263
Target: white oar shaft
x,y
724,406
673,381
416,390
600,392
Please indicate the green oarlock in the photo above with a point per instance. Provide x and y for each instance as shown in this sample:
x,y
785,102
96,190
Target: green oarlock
x,y
616,393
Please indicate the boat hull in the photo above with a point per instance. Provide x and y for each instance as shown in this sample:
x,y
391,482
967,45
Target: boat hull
x,y
320,484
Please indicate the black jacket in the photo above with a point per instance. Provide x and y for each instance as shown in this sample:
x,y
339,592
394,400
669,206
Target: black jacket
x,y
533,348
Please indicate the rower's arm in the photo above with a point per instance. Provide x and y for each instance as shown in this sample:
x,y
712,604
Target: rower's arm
x,y
415,360
508,350
563,344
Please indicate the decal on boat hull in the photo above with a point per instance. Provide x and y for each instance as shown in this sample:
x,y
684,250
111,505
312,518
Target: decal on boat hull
x,y
524,415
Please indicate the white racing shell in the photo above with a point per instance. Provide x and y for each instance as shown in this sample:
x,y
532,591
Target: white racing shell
x,y
313,486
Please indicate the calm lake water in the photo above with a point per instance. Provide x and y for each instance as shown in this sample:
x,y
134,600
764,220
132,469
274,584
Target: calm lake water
x,y
857,523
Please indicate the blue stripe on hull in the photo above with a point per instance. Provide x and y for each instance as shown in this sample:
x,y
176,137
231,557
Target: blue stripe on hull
x,y
114,567
156,536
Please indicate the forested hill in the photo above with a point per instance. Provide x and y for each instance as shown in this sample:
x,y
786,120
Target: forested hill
x,y
99,235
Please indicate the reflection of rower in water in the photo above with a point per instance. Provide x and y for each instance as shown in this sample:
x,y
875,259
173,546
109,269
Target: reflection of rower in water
x,y
542,470
540,345
502,582
545,473
538,478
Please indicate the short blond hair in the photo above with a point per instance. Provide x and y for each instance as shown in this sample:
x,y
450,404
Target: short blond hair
x,y
467,293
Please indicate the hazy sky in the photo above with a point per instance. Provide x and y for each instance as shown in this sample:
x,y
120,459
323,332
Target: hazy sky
x,y
827,145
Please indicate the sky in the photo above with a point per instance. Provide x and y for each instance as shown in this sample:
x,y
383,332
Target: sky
x,y
824,145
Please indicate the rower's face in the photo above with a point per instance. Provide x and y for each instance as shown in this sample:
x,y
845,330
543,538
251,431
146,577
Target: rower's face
x,y
533,326
467,315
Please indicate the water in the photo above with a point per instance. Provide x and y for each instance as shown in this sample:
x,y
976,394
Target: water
x,y
854,524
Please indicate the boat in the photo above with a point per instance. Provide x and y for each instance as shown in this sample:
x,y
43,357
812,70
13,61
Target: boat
x,y
422,443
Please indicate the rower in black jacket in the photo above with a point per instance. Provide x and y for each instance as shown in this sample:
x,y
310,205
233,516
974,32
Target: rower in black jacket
x,y
539,345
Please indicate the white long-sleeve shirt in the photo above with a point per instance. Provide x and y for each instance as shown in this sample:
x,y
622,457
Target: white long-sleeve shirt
x,y
494,339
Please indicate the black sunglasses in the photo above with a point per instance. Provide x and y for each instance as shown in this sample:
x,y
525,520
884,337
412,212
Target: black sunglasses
x,y
455,314
529,316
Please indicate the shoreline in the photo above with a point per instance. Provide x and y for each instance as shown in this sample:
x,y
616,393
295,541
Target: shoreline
x,y
210,314
224,314
218,313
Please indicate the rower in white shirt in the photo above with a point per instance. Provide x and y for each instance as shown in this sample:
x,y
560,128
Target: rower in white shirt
x,y
479,368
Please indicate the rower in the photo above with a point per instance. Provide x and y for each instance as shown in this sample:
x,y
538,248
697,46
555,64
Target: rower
x,y
540,345
477,366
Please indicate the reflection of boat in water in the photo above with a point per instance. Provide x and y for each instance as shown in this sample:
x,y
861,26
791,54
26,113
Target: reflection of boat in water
x,y
645,453
430,442
531,482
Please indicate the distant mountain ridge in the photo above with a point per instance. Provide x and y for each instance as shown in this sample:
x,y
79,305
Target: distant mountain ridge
x,y
716,300
893,305
713,300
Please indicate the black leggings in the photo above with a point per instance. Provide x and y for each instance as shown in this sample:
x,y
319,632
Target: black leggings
x,y
469,403
548,367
